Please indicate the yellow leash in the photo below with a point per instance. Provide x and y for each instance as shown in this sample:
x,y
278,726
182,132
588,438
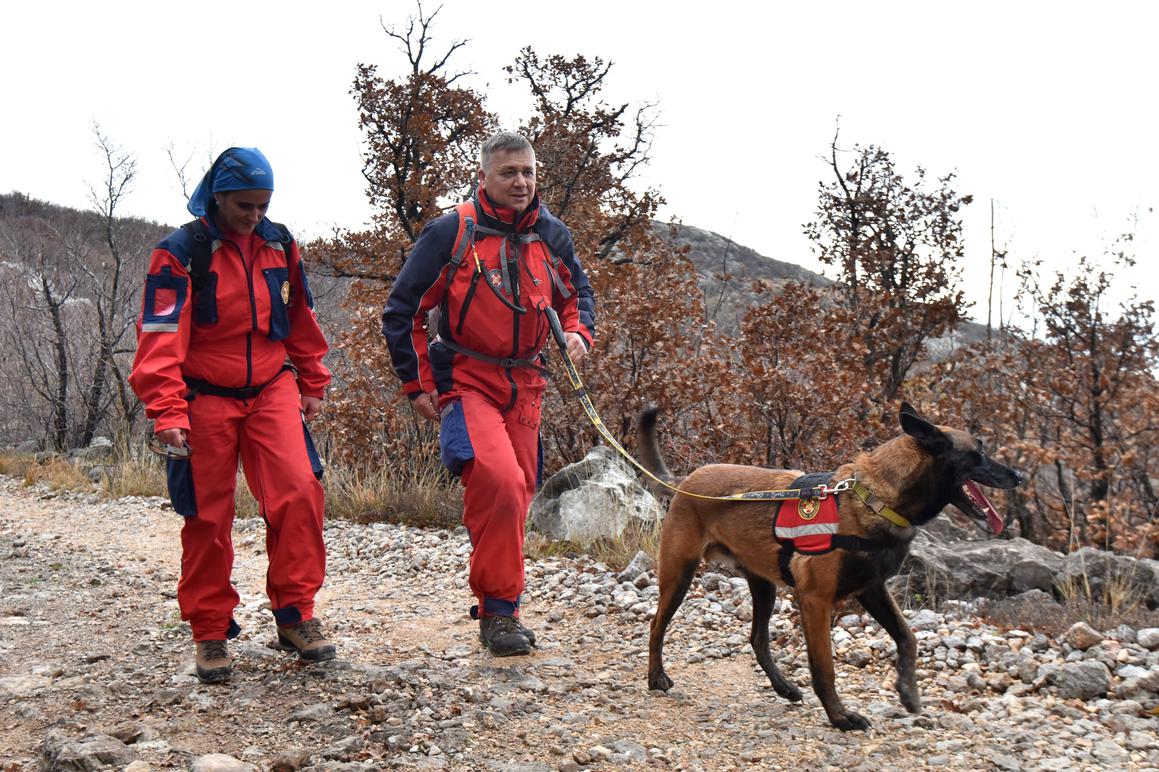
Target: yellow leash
x,y
581,393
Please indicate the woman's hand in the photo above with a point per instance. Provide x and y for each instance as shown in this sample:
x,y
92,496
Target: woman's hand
x,y
311,406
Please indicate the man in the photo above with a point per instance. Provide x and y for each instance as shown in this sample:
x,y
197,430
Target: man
x,y
488,271
226,306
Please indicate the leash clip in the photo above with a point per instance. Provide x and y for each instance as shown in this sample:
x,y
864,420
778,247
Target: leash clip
x,y
840,487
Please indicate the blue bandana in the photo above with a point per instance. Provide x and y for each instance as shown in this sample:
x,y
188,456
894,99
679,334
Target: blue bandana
x,y
238,168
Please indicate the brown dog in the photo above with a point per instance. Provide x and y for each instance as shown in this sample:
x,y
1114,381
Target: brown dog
x,y
914,475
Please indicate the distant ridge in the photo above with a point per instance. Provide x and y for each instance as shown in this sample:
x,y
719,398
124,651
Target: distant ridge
x,y
715,254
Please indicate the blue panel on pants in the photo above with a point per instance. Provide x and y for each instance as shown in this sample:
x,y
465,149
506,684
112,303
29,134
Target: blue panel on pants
x,y
454,441
312,453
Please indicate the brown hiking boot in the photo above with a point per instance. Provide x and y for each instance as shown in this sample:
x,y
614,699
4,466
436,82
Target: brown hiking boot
x,y
307,639
503,636
213,663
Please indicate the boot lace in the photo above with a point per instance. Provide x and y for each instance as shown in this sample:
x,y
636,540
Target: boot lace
x,y
505,624
212,650
311,631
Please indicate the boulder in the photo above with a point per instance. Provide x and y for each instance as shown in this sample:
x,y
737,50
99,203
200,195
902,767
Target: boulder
x,y
991,568
100,449
62,753
597,497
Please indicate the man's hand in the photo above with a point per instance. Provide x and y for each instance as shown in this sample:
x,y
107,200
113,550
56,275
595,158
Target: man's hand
x,y
427,405
311,406
174,437
576,348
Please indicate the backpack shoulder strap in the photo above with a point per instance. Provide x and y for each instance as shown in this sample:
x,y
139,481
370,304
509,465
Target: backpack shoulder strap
x,y
283,240
468,222
200,253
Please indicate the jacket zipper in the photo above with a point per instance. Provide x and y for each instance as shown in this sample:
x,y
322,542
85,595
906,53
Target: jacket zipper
x,y
249,336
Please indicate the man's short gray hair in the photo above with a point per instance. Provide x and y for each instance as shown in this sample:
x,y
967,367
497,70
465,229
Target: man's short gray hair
x,y
503,141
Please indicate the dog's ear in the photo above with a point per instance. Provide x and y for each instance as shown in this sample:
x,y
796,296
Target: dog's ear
x,y
928,436
908,408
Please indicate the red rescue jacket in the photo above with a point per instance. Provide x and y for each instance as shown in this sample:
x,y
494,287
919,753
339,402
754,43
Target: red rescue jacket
x,y
253,314
491,300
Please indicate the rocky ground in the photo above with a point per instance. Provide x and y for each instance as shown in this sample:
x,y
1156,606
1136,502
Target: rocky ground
x,y
95,668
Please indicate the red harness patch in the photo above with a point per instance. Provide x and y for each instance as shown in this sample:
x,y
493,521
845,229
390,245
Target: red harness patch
x,y
807,525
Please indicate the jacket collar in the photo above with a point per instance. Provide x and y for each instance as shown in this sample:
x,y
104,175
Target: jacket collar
x,y
266,230
504,219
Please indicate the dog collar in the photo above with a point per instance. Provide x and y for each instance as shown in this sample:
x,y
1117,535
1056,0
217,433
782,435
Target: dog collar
x,y
879,507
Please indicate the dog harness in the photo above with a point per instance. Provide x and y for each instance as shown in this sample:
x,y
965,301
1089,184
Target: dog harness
x,y
808,524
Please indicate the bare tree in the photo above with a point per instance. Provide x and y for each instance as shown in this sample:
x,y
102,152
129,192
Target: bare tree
x,y
112,286
35,329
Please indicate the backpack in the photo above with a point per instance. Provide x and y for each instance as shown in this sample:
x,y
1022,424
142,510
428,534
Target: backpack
x,y
202,252
468,233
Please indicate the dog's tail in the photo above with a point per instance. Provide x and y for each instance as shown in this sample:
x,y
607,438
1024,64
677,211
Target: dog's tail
x,y
650,447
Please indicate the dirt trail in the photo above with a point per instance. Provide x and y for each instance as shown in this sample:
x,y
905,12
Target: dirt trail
x,y
91,643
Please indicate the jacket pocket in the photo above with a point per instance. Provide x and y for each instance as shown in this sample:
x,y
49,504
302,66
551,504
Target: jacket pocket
x,y
278,283
454,442
164,299
179,476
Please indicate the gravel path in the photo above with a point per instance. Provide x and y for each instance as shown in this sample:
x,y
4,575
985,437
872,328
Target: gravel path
x,y
95,667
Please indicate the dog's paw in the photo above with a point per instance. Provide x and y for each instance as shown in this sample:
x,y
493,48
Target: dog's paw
x,y
659,681
911,699
850,721
788,691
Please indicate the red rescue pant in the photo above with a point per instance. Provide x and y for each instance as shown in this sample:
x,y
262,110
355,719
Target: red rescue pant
x,y
500,473
267,433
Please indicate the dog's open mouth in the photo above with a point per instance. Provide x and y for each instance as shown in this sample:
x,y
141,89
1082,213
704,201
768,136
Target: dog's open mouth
x,y
980,506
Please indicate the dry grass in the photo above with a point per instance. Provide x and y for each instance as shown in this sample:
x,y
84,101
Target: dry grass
x,y
1054,619
1121,601
135,477
56,472
614,553
423,496
15,464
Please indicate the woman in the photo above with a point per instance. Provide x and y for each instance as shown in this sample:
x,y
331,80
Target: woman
x,y
229,364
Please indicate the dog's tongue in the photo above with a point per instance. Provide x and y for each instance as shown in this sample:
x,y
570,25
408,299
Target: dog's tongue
x,y
975,494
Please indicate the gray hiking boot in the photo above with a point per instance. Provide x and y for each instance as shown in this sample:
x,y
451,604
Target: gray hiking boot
x,y
307,639
213,662
503,636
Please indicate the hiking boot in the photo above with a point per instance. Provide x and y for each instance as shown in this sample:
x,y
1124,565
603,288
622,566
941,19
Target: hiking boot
x,y
307,639
530,636
213,663
503,636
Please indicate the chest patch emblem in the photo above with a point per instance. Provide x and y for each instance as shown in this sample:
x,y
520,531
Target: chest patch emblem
x,y
807,524
285,293
495,278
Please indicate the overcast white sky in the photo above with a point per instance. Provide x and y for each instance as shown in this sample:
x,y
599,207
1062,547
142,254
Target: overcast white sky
x,y
1048,108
